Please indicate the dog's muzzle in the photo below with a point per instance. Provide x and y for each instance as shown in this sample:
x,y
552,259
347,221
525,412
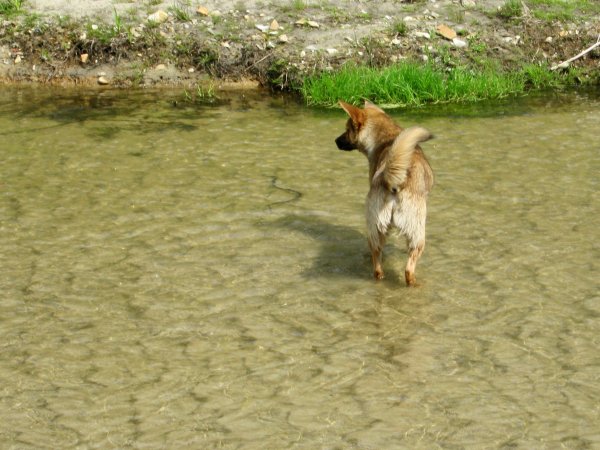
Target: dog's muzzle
x,y
343,143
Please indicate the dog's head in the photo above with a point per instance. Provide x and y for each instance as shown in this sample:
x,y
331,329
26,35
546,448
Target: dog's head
x,y
359,135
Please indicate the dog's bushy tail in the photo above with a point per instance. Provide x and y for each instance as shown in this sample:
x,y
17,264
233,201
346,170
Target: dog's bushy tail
x,y
392,170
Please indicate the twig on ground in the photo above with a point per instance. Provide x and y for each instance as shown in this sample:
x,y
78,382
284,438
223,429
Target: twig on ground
x,y
566,63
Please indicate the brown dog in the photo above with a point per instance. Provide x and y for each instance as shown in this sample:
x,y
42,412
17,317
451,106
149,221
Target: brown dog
x,y
400,179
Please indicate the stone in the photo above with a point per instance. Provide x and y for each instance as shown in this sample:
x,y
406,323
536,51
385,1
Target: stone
x,y
263,28
283,39
161,67
468,3
459,43
84,57
422,34
446,32
203,11
158,17
549,39
274,26
313,24
331,51
18,60
103,81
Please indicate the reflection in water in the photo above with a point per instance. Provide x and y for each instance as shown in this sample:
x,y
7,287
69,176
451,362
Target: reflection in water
x,y
198,276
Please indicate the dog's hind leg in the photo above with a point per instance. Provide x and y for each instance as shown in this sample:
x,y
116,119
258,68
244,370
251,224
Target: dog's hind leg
x,y
415,250
376,246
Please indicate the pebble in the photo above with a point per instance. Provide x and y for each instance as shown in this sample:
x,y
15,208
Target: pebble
x,y
84,57
283,39
274,26
459,43
103,81
161,67
422,34
159,16
18,60
446,32
331,51
203,11
313,24
549,39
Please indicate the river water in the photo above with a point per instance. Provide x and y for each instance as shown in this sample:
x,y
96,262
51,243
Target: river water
x,y
181,275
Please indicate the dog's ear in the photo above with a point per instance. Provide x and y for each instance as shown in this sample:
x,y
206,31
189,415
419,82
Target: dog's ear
x,y
370,105
356,114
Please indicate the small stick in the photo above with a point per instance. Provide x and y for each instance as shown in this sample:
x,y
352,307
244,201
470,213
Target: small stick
x,y
587,50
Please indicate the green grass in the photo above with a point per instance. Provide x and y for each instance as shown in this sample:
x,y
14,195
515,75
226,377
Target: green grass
x,y
563,9
511,9
416,84
10,7
181,11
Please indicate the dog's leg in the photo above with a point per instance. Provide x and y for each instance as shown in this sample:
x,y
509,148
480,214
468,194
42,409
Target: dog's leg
x,y
379,217
414,253
376,246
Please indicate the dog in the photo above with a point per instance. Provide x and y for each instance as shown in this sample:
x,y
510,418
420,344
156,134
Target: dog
x,y
400,179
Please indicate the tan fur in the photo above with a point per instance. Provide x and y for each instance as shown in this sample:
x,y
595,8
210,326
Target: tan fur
x,y
400,179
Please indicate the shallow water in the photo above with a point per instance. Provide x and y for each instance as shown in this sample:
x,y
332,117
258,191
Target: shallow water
x,y
178,276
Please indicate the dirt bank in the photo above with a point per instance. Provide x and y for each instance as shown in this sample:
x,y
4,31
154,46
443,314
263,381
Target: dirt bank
x,y
190,43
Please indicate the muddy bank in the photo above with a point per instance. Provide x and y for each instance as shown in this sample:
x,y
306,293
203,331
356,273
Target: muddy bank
x,y
190,44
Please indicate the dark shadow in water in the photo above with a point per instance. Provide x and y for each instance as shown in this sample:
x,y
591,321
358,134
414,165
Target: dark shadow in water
x,y
107,113
342,249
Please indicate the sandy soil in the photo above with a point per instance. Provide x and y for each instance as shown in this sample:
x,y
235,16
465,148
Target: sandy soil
x,y
69,41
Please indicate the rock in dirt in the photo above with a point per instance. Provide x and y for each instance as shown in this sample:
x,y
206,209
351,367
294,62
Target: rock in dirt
x,y
446,32
274,26
459,43
103,81
159,16
203,11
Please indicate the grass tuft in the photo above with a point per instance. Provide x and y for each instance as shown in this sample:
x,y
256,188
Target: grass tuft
x,y
10,7
416,84
511,9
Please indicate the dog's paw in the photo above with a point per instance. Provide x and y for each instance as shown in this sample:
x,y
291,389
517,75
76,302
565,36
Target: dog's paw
x,y
378,274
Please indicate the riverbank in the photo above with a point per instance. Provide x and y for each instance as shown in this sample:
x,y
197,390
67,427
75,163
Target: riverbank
x,y
204,46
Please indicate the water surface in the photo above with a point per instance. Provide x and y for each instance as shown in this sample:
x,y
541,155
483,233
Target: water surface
x,y
197,276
